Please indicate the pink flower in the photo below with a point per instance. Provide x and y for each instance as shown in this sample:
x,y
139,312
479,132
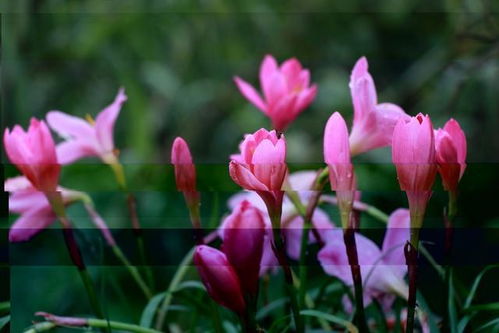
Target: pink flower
x,y
243,233
33,153
33,206
337,157
450,145
413,153
286,90
219,278
382,269
185,172
292,223
85,138
373,123
261,167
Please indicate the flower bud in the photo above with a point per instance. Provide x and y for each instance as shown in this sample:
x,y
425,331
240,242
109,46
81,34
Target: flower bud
x,y
219,278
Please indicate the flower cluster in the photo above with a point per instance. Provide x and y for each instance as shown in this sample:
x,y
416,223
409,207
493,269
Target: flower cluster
x,y
279,214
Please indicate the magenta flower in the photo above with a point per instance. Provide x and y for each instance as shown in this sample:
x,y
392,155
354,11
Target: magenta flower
x,y
219,278
382,270
450,145
84,138
286,90
413,153
243,233
33,206
373,123
33,153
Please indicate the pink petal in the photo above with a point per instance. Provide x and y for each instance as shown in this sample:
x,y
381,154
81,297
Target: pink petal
x,y
72,150
336,145
251,94
28,200
68,126
305,98
267,70
104,123
29,224
244,178
275,90
397,234
459,139
17,183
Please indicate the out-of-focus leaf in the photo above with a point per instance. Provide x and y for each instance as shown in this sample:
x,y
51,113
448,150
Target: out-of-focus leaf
x,y
4,321
267,309
494,322
476,283
483,307
329,317
190,284
429,315
451,304
150,310
281,325
229,327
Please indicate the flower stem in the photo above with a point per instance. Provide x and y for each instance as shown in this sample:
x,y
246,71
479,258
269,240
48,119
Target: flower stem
x,y
351,247
177,278
411,258
280,253
94,323
133,271
57,203
119,174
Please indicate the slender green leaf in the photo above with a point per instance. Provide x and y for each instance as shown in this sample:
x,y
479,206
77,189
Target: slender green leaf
x,y
281,325
483,307
426,312
229,327
4,321
463,323
267,309
476,283
150,310
329,317
190,284
451,304
493,322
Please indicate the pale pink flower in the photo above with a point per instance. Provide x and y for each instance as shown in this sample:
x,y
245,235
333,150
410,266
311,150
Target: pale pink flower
x,y
286,90
33,206
33,153
84,138
382,270
450,146
373,123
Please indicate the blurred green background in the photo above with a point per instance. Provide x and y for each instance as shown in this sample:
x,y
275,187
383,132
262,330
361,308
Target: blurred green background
x,y
176,61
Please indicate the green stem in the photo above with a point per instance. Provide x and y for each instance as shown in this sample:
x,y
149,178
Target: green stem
x,y
177,278
119,174
133,271
280,252
89,287
94,323
57,203
4,307
411,257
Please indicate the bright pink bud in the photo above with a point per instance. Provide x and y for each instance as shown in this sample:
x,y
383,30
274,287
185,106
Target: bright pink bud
x,y
450,145
261,164
33,153
185,172
243,234
373,123
337,157
219,278
413,153
286,89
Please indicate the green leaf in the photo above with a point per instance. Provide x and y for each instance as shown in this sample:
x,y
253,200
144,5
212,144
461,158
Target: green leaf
x,y
483,307
190,284
476,283
229,327
4,321
487,325
426,311
281,325
451,305
267,309
329,317
150,310
463,323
